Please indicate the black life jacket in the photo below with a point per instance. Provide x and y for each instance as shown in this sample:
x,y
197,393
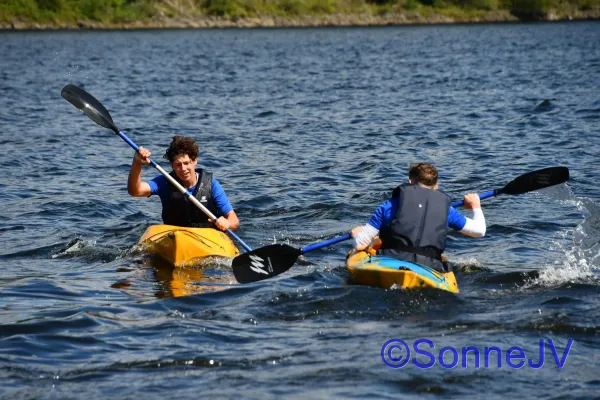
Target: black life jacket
x,y
180,211
418,231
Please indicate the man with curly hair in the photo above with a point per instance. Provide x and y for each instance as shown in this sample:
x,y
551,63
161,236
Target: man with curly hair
x,y
176,208
413,224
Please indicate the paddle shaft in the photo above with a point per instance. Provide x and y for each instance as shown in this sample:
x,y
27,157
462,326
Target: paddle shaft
x,y
181,189
325,243
460,203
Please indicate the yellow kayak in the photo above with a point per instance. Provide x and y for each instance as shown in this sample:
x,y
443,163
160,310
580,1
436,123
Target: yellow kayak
x,y
181,246
367,268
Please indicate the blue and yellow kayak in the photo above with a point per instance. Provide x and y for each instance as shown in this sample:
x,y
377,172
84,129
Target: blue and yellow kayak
x,y
181,246
367,268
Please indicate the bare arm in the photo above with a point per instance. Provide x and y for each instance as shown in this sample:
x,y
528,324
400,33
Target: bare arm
x,y
229,221
135,186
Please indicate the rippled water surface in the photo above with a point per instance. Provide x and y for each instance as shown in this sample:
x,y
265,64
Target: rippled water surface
x,y
308,130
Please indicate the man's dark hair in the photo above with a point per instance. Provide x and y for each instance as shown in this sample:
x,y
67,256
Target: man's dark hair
x,y
181,145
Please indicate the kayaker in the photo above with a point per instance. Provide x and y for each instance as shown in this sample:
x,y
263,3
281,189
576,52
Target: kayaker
x,y
176,208
413,224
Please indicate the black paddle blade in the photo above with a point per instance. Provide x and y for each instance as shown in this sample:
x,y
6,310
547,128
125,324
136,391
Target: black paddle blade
x,y
89,105
536,180
264,263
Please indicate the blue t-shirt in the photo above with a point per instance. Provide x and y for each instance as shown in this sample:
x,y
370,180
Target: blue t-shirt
x,y
386,212
160,186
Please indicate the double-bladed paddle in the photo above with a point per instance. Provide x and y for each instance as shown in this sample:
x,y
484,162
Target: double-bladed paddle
x,y
100,115
275,259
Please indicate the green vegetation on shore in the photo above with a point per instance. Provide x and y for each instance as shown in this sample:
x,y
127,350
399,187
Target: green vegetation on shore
x,y
140,13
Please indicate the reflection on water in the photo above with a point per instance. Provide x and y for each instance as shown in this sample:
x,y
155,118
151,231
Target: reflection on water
x,y
209,275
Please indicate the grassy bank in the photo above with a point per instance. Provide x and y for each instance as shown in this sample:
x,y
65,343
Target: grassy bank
x,y
49,14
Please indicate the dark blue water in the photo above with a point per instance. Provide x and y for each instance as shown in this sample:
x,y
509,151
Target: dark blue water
x,y
308,131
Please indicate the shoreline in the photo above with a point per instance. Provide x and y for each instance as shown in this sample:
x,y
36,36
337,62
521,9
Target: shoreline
x,y
330,20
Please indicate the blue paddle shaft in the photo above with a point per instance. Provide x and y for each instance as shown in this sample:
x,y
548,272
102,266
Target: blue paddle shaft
x,y
482,196
325,243
182,189
240,241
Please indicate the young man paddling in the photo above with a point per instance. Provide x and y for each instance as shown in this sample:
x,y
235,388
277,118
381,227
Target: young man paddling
x,y
413,225
177,209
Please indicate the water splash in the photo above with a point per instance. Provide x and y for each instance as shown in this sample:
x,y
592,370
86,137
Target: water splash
x,y
467,264
89,250
75,247
580,247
